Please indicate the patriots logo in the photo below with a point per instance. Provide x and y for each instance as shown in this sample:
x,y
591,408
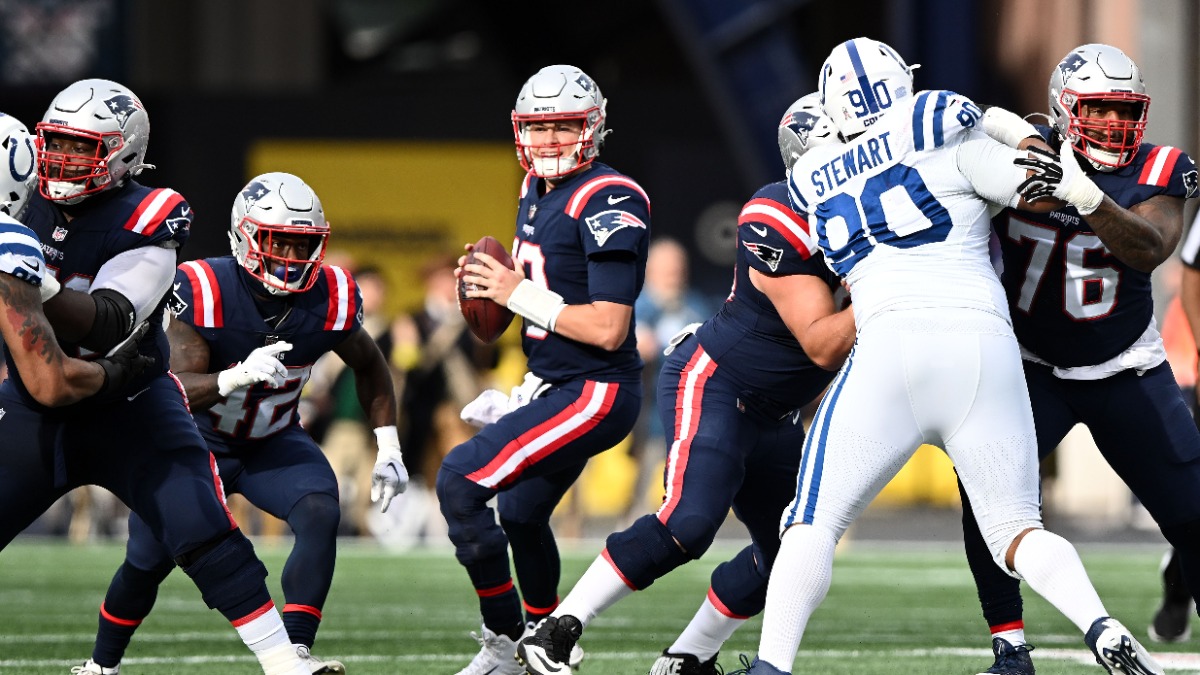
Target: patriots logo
x,y
605,223
176,304
122,106
1072,63
768,254
181,222
253,193
585,82
1192,182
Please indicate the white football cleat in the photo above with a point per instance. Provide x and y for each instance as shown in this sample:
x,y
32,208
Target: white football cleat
x,y
315,664
93,668
497,655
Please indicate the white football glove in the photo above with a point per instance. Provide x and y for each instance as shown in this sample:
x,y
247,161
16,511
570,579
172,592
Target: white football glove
x,y
1007,127
389,477
1076,188
262,365
489,406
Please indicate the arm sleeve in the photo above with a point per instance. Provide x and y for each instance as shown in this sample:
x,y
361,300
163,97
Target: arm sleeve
x,y
142,275
613,278
989,167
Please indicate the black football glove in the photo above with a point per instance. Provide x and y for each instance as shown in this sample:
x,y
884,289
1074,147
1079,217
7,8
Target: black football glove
x,y
1047,174
123,363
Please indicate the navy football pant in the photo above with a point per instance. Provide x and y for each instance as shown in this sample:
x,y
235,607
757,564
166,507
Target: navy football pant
x,y
726,451
146,450
285,475
1144,429
530,458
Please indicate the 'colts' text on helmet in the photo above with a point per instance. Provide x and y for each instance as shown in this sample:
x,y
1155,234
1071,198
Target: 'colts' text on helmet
x,y
92,138
1098,102
558,94
860,81
278,232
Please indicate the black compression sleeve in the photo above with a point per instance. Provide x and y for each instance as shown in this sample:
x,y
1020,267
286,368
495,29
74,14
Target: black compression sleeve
x,y
114,320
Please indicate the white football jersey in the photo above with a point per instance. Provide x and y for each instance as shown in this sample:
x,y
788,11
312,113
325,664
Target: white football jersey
x,y
21,252
895,215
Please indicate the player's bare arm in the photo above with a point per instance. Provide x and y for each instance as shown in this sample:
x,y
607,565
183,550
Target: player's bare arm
x,y
806,305
51,378
1142,236
189,362
600,324
372,377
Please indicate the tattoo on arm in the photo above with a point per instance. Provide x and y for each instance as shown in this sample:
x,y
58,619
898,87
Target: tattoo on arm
x,y
23,307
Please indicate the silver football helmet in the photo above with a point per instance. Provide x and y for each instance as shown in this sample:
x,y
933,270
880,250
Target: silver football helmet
x,y
101,115
553,94
279,211
860,81
1097,74
804,126
17,146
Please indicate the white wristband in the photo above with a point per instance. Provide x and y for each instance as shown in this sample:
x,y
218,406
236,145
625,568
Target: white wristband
x,y
387,439
1007,127
49,288
540,305
1084,195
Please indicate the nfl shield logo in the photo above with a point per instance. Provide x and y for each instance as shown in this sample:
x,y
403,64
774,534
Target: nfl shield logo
x,y
59,234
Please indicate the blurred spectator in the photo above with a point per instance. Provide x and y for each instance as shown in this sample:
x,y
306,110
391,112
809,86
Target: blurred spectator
x,y
665,306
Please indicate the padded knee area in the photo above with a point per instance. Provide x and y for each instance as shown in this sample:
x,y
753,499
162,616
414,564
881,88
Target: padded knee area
x,y
228,573
741,583
695,533
645,551
471,524
316,515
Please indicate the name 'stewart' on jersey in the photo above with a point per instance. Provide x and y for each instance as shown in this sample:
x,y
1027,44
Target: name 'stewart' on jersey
x,y
856,160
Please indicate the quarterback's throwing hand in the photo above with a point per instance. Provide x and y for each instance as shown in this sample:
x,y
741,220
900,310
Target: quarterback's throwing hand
x,y
389,477
262,365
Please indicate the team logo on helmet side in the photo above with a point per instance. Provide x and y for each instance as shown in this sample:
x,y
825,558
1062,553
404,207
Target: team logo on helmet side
x,y
802,123
122,106
1191,181
1072,63
585,83
254,192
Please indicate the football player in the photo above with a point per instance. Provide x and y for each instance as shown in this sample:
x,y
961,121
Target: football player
x,y
112,244
731,389
52,378
582,232
900,214
1078,285
246,330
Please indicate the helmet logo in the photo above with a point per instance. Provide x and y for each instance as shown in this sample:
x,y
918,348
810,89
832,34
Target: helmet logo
x,y
1192,182
585,83
1072,63
122,107
254,192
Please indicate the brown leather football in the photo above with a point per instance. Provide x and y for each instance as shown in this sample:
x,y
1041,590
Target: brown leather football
x,y
486,318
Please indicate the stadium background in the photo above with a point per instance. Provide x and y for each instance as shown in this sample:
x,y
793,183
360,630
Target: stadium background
x,y
397,112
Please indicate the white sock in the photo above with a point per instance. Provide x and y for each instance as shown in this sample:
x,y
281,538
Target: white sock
x,y
600,587
799,581
707,631
268,639
1014,637
1052,568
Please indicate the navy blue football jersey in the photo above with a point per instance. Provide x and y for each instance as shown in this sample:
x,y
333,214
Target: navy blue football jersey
x,y
747,337
216,298
1072,302
591,216
106,225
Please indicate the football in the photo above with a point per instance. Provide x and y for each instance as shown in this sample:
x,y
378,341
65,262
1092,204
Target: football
x,y
487,319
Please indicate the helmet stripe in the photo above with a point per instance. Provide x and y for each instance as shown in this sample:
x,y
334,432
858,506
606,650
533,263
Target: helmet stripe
x,y
863,83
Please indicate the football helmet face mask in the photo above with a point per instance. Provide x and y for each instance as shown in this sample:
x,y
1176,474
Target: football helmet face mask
x,y
554,94
269,215
1097,75
860,81
16,146
804,126
100,114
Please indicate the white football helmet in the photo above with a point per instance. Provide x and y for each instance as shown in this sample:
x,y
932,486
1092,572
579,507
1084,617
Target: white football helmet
x,y
100,112
860,81
278,205
804,126
1099,73
559,93
17,146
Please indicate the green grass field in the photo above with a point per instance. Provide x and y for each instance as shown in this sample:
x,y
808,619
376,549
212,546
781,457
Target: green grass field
x,y
889,611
